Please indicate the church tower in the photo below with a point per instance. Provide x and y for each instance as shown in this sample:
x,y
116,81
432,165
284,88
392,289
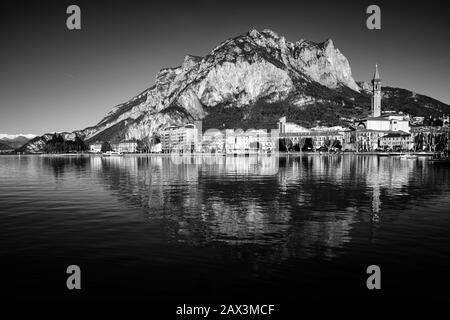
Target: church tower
x,y
376,94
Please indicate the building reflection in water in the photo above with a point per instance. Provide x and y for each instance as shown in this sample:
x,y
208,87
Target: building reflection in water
x,y
294,205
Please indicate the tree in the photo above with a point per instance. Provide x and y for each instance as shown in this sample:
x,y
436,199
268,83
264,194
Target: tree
x,y
308,144
419,141
336,144
79,144
288,144
56,144
301,143
146,143
154,140
106,147
141,146
332,144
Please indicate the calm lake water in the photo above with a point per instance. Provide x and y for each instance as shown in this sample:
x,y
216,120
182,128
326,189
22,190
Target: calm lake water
x,y
218,228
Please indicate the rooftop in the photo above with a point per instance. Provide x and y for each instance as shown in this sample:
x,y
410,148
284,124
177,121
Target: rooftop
x,y
376,75
396,135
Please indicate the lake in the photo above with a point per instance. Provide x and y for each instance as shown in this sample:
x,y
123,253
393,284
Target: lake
x,y
217,228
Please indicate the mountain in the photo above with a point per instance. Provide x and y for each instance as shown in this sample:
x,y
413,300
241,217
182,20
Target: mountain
x,y
251,81
37,144
5,147
15,141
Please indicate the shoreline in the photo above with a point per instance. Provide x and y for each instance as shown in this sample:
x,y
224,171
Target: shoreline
x,y
283,154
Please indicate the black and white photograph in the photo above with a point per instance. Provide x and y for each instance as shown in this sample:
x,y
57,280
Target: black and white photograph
x,y
230,158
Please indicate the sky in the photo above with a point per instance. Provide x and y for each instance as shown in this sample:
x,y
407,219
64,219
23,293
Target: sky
x,y
55,79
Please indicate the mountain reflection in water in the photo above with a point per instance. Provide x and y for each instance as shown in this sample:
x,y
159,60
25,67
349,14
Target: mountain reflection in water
x,y
262,218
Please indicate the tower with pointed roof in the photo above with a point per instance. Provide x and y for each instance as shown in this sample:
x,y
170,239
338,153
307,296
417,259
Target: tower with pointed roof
x,y
376,94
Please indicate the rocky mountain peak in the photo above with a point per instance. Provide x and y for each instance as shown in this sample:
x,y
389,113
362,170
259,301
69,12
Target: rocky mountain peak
x,y
190,61
328,45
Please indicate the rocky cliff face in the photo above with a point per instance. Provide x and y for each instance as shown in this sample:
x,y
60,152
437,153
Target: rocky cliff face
x,y
249,80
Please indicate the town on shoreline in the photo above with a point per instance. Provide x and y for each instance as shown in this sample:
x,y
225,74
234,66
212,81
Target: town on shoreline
x,y
383,132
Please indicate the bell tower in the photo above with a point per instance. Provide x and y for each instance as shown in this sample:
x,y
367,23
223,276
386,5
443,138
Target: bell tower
x,y
376,94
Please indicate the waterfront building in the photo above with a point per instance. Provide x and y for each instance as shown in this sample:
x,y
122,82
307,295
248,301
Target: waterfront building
x,y
213,141
429,138
126,146
349,137
396,122
188,139
156,148
371,140
396,141
96,147
250,141
268,141
368,140
114,146
181,139
315,139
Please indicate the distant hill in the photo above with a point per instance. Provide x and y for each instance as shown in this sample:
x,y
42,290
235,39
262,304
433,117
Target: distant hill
x,y
397,99
15,141
4,147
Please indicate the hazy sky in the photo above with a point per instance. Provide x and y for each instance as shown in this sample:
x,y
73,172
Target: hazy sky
x,y
53,79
